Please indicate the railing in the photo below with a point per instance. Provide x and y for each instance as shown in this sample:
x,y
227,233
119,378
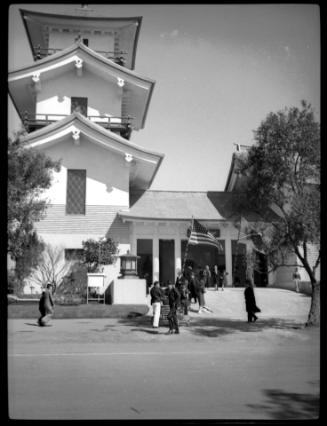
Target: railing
x,y
123,124
117,57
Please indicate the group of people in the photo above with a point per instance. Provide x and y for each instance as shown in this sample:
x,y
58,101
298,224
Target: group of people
x,y
190,288
187,288
216,277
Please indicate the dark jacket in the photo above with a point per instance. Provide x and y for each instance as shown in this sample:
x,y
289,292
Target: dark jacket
x,y
184,294
173,297
179,282
46,303
250,302
157,295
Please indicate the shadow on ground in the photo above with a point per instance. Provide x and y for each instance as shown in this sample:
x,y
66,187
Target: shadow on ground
x,y
289,405
215,327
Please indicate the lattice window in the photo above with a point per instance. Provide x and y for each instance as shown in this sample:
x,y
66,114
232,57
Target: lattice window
x,y
76,190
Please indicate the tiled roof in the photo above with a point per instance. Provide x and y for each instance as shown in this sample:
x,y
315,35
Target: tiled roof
x,y
178,205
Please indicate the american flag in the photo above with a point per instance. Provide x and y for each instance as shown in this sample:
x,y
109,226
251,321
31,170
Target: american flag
x,y
200,235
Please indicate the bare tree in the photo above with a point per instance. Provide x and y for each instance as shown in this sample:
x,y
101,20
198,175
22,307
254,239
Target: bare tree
x,y
51,268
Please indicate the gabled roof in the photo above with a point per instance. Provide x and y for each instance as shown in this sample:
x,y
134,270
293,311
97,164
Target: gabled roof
x,y
140,87
144,163
36,24
181,206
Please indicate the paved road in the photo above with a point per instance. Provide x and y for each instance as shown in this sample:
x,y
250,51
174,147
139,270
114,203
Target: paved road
x,y
218,368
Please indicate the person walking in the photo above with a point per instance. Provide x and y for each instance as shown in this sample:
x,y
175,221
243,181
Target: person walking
x,y
157,296
296,279
200,291
46,306
174,301
250,303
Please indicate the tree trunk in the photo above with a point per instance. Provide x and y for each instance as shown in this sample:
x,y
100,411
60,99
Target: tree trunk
x,y
314,314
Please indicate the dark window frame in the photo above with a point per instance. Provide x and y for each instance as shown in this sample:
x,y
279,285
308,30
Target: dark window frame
x,y
80,102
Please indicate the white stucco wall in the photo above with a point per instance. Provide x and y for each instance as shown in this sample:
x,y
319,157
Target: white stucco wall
x,y
104,97
107,177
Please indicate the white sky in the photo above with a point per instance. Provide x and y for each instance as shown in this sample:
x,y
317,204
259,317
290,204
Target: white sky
x,y
219,70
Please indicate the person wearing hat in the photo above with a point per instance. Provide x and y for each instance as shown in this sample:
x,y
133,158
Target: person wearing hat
x,y
46,305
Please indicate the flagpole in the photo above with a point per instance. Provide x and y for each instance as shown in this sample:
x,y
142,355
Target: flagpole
x,y
187,245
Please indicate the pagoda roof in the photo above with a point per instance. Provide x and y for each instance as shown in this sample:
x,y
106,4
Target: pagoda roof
x,y
37,23
144,163
181,206
20,81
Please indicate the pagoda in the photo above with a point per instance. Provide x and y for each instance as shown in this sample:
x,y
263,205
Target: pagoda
x,y
80,101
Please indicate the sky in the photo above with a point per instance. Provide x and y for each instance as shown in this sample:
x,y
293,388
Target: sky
x,y
219,71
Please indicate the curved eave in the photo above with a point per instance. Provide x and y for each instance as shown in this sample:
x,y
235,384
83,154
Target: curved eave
x,y
43,65
65,57
85,124
230,173
126,216
135,19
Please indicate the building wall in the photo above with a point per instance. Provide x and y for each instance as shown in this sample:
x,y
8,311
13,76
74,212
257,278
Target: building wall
x,y
62,40
103,97
107,192
107,182
284,273
178,231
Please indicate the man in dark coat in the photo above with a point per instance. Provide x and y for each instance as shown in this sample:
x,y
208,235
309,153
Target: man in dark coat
x,y
250,303
46,306
174,301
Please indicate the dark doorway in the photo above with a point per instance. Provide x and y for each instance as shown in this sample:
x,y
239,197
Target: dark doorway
x,y
260,273
238,263
79,105
166,261
144,263
198,256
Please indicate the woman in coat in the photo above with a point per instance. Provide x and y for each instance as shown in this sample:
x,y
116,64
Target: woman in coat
x,y
250,303
46,305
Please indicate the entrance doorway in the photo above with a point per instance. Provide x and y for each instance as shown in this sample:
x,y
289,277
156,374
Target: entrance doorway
x,y
198,256
166,261
144,263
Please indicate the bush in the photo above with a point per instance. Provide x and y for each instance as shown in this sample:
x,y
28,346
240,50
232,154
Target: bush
x,y
15,286
74,283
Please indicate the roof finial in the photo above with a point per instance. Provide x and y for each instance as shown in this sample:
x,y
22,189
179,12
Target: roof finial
x,y
84,9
